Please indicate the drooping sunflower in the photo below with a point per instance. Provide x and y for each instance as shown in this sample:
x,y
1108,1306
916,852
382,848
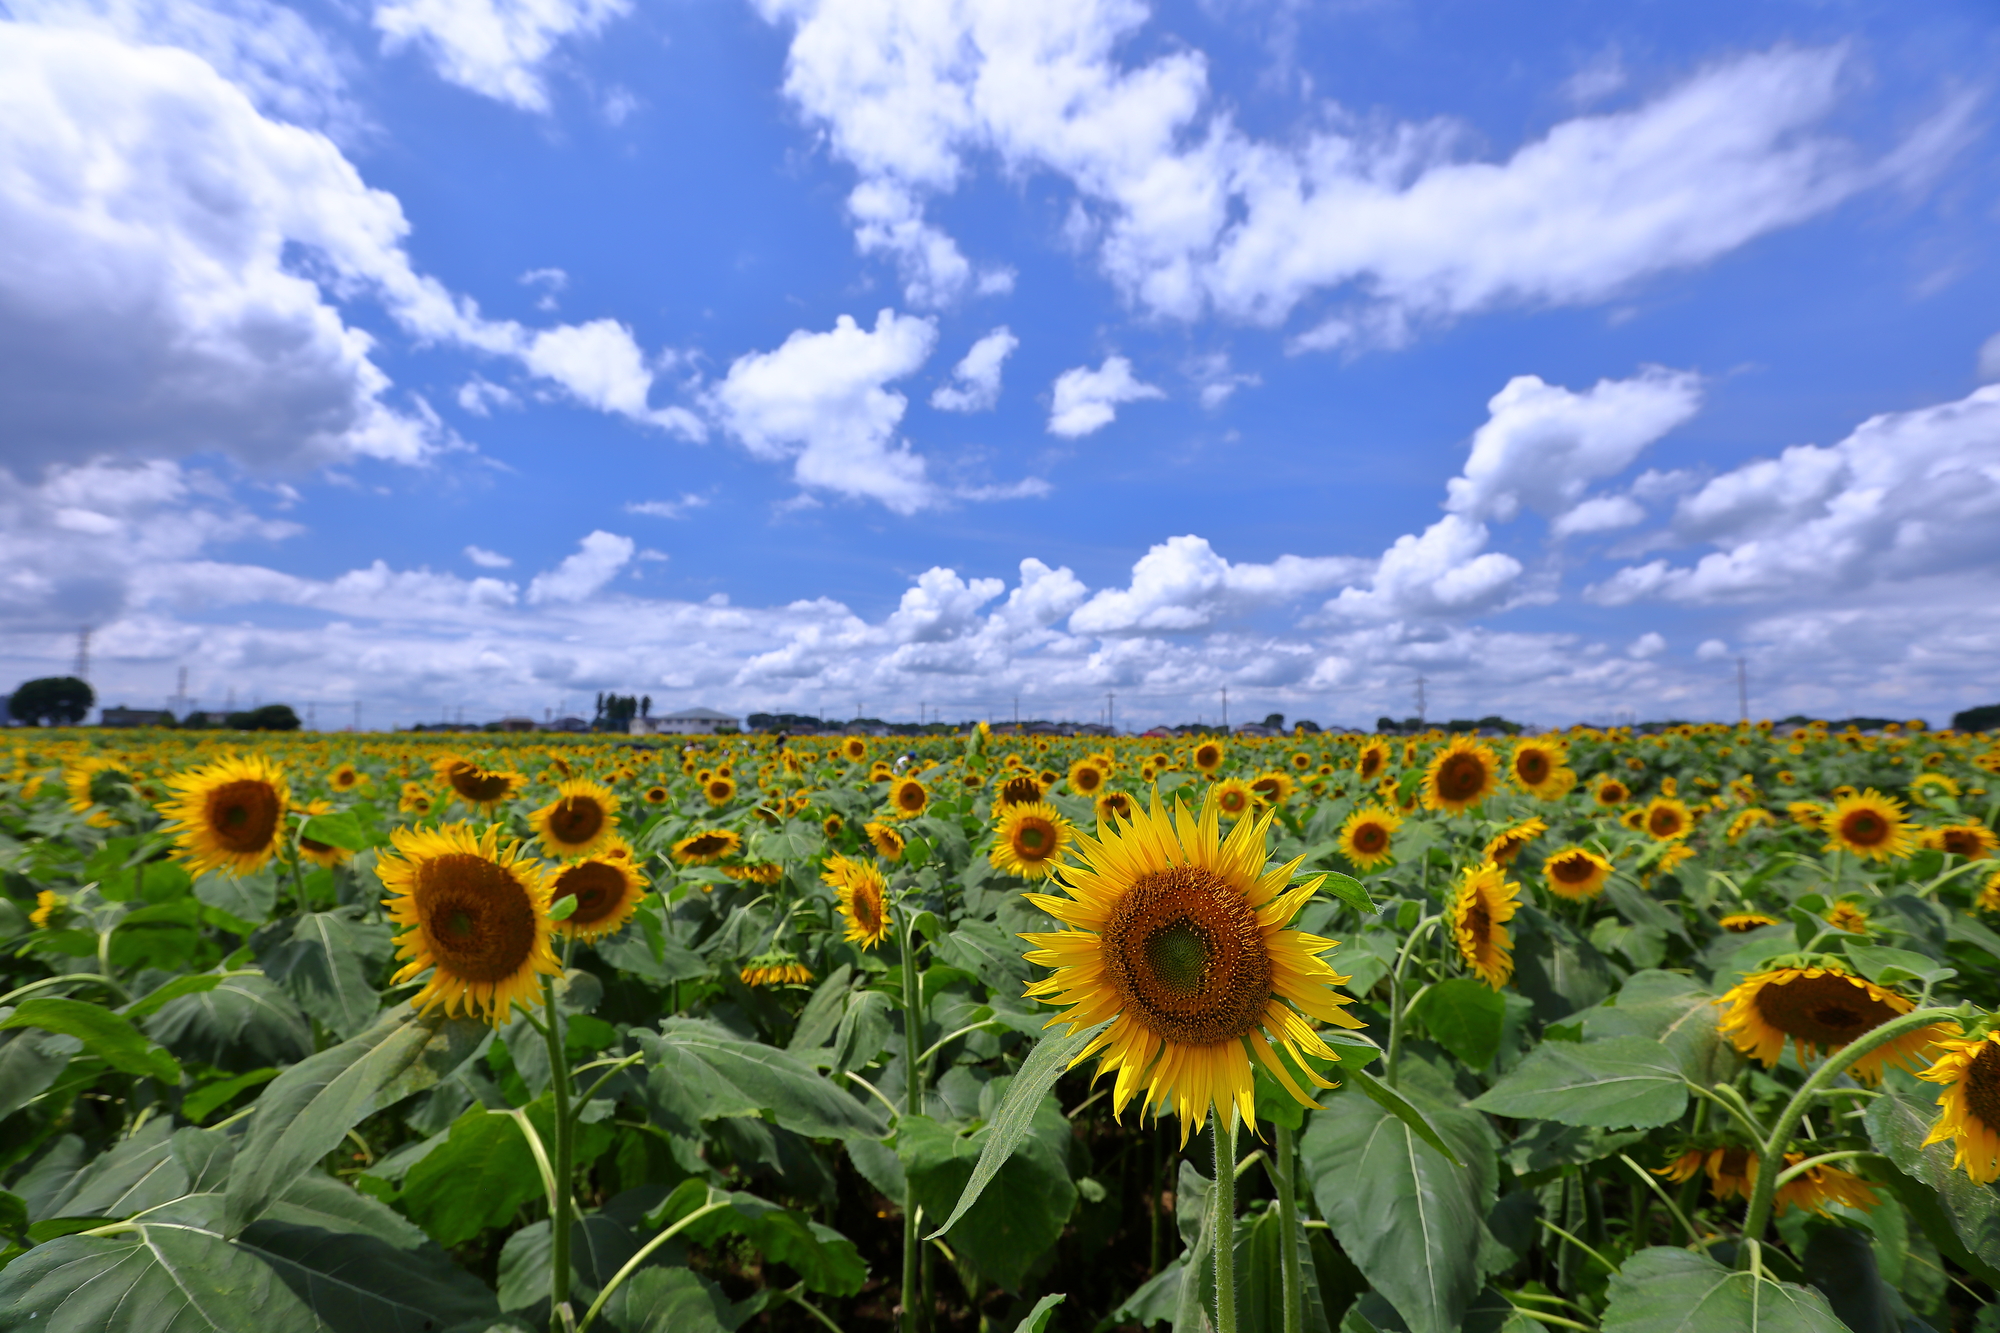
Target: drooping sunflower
x,y
1372,760
1016,788
719,789
231,814
886,840
477,916
1366,835
1576,873
1486,899
1178,936
1871,826
1233,798
1755,817
1668,818
1738,923
582,818
1610,792
1974,842
707,847
1505,845
1732,1173
908,798
1848,916
1085,777
1028,839
607,889
1208,756
483,789
1536,764
1807,814
1820,1007
1819,1185
777,968
1969,1105
1114,804
864,899
756,872
96,780
1461,775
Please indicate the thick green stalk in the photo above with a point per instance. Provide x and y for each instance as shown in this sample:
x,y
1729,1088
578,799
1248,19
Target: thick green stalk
x,y
561,1319
1391,1059
913,1104
1282,1164
1222,1207
1771,1154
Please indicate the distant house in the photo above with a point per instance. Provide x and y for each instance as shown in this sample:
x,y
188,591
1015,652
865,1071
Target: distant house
x,y
1257,729
568,724
687,722
122,716
518,724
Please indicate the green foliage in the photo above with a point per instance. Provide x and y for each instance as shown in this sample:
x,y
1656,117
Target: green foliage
x,y
1675,1291
1616,1083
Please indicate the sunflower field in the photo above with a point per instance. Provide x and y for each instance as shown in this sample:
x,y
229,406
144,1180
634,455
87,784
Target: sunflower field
x,y
1684,1030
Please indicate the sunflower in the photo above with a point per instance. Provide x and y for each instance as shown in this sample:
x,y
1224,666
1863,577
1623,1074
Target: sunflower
x,y
1817,1186
1870,825
320,853
1818,1006
779,968
1668,818
477,914
1755,817
1974,842
1969,1106
1462,775
481,788
1366,834
1672,859
1732,1173
1485,899
854,749
1927,788
1611,792
766,873
607,890
1372,760
1233,798
1738,923
579,821
1536,765
1208,756
656,795
1508,842
346,777
1683,1167
1028,839
231,814
863,895
1807,814
1847,916
1177,936
1272,788
1114,804
1302,761
832,826
49,905
886,840
1576,873
707,847
907,798
719,789
1085,777
416,801
1989,894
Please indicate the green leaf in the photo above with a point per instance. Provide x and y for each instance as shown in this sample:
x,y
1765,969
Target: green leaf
x,y
1396,1104
13,1215
598,1248
239,1024
354,1282
672,1300
1672,1010
1411,1221
1350,891
247,898
344,830
173,990
1017,1214
479,1178
1465,1017
309,1108
1010,1124
1887,967
826,1260
745,1077
1662,1290
30,1062
1961,1217
197,1106
108,1036
1622,1083
152,1278
326,964
1038,1318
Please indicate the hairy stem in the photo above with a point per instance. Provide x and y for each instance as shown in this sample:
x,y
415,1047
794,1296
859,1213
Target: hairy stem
x,y
913,1104
560,1317
1281,1167
1222,1207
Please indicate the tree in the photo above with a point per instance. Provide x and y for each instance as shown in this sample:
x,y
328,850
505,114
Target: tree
x,y
271,717
1984,718
52,701
1275,721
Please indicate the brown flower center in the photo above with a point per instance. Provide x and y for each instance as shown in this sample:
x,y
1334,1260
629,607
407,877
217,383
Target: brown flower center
x,y
1034,839
1461,777
1827,1011
910,798
243,815
1023,790
480,921
1664,822
575,820
1533,767
1370,838
1371,764
867,908
1982,1086
599,891
1186,955
478,786
1864,828
1086,780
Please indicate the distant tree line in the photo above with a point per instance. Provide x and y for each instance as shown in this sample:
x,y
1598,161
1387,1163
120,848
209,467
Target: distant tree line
x,y
65,701
616,711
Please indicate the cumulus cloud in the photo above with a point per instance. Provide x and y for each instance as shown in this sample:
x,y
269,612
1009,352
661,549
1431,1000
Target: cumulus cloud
x,y
667,508
1603,513
497,48
1183,584
820,400
597,561
1188,213
1445,570
1989,360
1542,445
975,381
486,559
1649,644
1087,400
601,366
1907,495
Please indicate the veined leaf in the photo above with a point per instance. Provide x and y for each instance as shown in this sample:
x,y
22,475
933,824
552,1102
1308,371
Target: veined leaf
x,y
1625,1082
108,1036
1664,1290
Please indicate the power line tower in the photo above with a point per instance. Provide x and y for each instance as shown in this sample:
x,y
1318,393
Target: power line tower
x,y
1111,710
1225,708
1743,689
1420,702
83,653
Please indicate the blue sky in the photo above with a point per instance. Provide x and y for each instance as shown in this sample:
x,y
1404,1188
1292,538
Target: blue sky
x,y
482,354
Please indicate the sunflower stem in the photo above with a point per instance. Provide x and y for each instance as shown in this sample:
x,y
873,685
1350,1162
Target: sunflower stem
x,y
560,1316
913,1104
1391,1057
1771,1155
1222,1206
1281,1167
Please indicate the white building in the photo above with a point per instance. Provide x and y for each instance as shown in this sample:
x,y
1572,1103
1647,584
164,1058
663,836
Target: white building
x,y
687,722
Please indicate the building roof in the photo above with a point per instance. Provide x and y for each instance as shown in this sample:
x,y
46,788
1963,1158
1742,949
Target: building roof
x,y
696,715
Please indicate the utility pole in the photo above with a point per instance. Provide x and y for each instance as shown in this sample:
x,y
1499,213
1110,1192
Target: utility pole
x,y
1110,710
83,653
312,716
181,694
1225,708
1743,690
1420,702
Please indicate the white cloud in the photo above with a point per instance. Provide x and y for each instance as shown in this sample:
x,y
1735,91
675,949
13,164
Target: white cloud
x,y
667,508
486,559
935,273
1603,513
480,396
597,561
551,282
1649,644
1989,360
497,48
1218,382
1712,650
1087,400
1907,495
975,381
819,400
1542,445
1445,571
1188,213
601,366
1182,584
1597,78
